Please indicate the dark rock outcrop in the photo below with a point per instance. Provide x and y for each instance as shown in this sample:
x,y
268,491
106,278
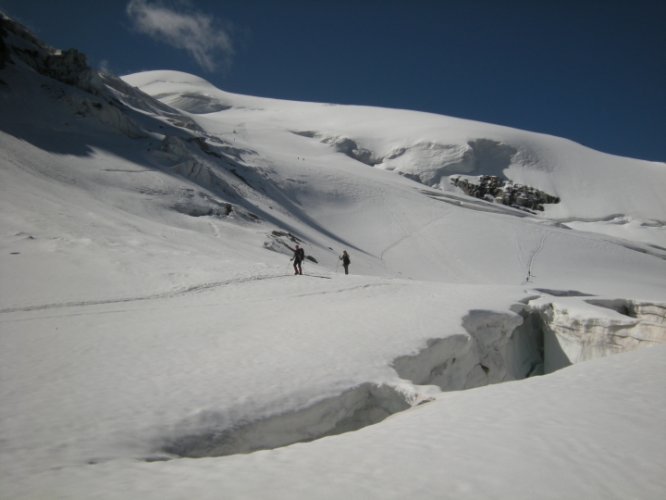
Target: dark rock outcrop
x,y
492,188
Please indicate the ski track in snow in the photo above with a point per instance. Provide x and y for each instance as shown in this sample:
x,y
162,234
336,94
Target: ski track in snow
x,y
203,287
537,251
408,236
157,296
215,229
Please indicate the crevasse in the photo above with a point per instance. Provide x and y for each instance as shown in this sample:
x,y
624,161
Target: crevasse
x,y
532,339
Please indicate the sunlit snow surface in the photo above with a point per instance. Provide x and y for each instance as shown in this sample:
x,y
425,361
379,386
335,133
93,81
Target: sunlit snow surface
x,y
148,311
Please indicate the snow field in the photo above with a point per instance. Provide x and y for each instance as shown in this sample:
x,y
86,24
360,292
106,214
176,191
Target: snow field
x,y
259,356
548,437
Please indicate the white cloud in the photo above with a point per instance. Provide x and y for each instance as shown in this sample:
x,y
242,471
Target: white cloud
x,y
104,66
199,34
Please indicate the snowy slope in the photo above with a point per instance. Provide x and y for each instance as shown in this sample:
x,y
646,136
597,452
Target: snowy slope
x,y
594,431
148,311
297,140
433,147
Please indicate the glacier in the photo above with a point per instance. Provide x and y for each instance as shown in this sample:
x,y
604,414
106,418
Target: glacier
x,y
154,343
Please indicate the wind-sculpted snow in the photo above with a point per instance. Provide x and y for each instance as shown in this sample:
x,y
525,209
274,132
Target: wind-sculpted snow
x,y
433,164
193,103
429,163
199,98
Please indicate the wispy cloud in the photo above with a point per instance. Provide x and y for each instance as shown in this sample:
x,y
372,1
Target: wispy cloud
x,y
104,66
203,36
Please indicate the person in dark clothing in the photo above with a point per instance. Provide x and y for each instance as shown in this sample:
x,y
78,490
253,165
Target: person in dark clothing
x,y
345,261
299,256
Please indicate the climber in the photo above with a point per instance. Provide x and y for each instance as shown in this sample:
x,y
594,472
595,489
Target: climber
x,y
299,256
345,261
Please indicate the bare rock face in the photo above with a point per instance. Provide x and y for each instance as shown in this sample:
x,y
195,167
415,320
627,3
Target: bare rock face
x,y
70,66
4,49
492,188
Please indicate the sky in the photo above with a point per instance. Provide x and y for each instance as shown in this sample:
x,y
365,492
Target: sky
x,y
588,70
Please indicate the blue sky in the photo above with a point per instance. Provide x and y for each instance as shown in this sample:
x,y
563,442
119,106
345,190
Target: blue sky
x,y
589,70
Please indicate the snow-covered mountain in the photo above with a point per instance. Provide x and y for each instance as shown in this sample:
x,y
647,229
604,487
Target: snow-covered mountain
x,y
149,311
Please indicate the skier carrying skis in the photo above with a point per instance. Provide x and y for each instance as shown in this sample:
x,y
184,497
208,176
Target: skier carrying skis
x,y
299,256
345,261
